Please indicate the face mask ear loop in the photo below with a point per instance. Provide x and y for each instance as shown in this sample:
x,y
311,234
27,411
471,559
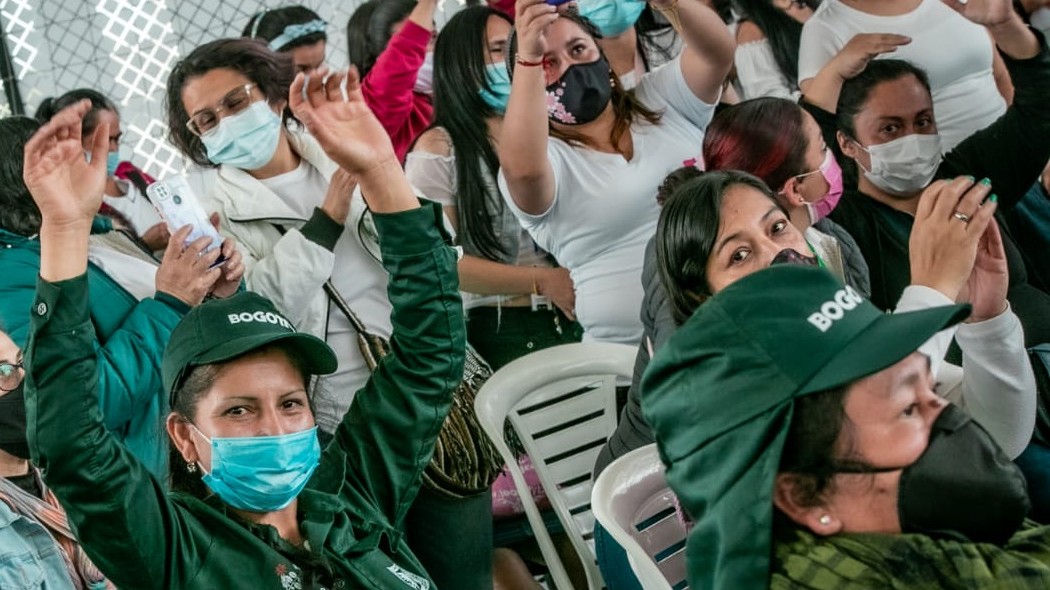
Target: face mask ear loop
x,y
205,437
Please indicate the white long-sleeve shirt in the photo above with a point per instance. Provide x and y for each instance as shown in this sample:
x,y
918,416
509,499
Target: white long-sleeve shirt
x,y
995,384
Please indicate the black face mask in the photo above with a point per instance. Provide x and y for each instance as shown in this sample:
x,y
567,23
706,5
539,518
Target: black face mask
x,y
963,487
13,423
790,256
581,94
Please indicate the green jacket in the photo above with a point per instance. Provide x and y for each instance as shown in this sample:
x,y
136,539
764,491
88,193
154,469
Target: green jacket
x,y
351,512
129,337
910,562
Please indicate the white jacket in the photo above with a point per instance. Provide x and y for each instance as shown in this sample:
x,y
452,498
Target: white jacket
x,y
290,270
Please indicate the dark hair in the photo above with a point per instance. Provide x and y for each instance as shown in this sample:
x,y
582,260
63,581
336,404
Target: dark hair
x,y
270,24
812,443
783,32
686,232
673,181
18,212
459,75
50,107
625,106
187,394
854,97
762,136
370,29
856,90
272,73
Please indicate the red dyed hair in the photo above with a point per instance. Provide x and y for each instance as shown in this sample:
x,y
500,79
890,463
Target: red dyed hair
x,y
763,137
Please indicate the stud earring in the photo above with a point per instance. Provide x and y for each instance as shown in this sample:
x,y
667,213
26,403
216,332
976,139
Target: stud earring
x,y
191,467
825,520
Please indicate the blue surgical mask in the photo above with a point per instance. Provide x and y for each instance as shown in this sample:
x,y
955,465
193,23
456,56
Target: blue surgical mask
x,y
262,473
112,161
612,17
247,140
498,92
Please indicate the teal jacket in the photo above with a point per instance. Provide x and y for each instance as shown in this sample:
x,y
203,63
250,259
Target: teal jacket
x,y
129,337
352,510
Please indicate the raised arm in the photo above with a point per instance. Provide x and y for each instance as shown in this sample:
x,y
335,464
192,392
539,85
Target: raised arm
x,y
123,517
709,46
823,90
523,139
389,434
388,88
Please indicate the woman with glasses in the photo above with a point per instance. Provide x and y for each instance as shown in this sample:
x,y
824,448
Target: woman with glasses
x,y
297,216
37,544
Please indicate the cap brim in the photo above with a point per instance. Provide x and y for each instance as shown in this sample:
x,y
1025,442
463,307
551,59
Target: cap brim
x,y
318,356
883,343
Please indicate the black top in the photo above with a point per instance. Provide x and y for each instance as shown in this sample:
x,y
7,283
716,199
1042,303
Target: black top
x,y
1011,153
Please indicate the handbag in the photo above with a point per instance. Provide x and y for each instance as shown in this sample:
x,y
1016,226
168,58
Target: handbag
x,y
465,462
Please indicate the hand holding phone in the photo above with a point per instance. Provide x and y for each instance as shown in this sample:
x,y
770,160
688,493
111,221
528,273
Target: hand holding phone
x,y
178,206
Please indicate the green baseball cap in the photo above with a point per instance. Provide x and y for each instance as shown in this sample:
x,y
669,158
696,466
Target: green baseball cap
x,y
720,396
222,329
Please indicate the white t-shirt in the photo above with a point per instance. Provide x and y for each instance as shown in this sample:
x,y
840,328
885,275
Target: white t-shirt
x,y
435,176
134,207
955,53
758,73
362,282
604,209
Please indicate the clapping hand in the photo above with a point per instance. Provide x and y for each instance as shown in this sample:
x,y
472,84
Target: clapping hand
x,y
951,220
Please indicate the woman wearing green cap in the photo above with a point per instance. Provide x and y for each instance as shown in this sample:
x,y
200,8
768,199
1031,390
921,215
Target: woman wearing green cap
x,y
271,510
802,429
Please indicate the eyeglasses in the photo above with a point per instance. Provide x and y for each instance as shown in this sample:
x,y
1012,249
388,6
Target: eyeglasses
x,y
206,120
11,376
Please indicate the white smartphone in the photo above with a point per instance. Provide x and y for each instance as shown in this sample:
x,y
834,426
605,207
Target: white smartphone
x,y
178,205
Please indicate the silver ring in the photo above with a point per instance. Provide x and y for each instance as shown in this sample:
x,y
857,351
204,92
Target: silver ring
x,y
961,217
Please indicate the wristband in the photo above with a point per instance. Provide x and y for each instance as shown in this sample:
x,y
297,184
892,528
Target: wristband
x,y
529,64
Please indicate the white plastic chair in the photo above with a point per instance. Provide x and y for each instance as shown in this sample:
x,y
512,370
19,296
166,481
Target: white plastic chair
x,y
561,402
632,501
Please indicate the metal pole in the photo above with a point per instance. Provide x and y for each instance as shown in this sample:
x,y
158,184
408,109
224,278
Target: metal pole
x,y
7,74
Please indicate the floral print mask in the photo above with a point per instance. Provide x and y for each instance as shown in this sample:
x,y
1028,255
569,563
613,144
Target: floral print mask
x,y
581,94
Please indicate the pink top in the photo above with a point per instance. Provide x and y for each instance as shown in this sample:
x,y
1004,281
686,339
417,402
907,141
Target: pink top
x,y
504,6
388,88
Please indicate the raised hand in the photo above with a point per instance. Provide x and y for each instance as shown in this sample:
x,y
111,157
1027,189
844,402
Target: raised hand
x,y
344,125
533,18
66,188
336,203
951,219
862,48
989,13
989,281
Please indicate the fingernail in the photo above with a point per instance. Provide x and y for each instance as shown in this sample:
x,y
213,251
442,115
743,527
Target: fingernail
x,y
994,198
986,182
970,178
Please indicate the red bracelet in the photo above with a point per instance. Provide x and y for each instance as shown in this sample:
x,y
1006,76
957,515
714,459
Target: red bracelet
x,y
529,64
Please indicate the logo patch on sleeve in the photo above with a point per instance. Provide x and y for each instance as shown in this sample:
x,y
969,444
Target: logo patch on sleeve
x,y
411,580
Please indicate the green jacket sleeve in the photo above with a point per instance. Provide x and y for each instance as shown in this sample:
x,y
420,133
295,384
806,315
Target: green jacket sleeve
x,y
124,520
388,434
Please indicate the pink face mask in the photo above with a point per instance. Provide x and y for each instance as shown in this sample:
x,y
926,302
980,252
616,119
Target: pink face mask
x,y
831,172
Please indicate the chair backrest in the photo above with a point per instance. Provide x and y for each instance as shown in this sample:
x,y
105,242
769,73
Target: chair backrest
x,y
561,402
632,501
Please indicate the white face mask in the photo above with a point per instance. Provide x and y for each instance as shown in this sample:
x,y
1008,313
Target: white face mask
x,y
904,166
425,77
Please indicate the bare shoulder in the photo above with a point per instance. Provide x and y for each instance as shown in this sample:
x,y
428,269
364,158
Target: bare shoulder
x,y
435,141
748,32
